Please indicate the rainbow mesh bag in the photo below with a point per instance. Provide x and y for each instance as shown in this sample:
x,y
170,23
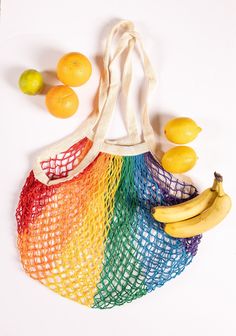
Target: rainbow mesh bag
x,y
85,228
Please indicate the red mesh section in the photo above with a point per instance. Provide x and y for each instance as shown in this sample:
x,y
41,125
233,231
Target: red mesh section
x,y
61,164
48,215
35,195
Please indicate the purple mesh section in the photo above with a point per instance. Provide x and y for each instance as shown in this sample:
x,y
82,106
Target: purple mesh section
x,y
173,191
191,244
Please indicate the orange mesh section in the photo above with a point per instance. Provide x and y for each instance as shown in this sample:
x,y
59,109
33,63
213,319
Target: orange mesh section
x,y
52,214
62,240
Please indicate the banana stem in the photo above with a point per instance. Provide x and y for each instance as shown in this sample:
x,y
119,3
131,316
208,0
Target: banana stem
x,y
218,184
215,185
220,189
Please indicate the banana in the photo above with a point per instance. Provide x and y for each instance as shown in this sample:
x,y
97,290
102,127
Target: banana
x,y
204,221
188,209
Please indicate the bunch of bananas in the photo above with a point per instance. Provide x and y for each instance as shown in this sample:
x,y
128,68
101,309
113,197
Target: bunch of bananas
x,y
197,215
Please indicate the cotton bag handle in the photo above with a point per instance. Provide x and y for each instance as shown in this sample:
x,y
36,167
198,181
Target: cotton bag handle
x,y
127,41
130,119
108,92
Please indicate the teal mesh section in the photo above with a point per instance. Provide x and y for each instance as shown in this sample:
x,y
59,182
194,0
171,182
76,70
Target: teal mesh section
x,y
139,255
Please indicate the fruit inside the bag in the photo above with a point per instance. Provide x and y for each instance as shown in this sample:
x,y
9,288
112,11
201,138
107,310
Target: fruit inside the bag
x,y
179,159
31,82
62,101
187,209
197,215
181,130
74,69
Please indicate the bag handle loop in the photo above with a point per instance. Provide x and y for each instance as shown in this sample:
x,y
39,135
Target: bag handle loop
x,y
109,88
130,119
127,42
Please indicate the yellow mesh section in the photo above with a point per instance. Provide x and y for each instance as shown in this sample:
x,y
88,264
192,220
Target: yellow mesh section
x,y
88,204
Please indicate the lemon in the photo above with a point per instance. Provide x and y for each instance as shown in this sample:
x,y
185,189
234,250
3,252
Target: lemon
x,y
31,82
181,130
179,159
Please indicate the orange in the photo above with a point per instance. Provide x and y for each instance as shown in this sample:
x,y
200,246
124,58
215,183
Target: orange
x,y
62,101
74,69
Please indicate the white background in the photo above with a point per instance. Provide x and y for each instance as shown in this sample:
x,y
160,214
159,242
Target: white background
x,y
192,45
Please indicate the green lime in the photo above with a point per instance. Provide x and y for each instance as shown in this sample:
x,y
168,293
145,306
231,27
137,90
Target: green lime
x,y
31,82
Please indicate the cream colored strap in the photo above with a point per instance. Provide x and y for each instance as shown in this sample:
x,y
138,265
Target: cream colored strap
x,y
130,120
87,126
109,88
126,42
113,89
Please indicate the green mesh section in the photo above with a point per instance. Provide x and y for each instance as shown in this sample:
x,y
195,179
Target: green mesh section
x,y
139,255
121,278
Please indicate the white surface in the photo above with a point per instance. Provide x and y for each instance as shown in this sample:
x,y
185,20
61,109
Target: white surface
x,y
193,48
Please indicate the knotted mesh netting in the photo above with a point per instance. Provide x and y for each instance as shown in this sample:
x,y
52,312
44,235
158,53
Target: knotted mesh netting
x,y
92,238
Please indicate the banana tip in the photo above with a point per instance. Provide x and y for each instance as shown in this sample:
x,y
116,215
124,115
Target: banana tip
x,y
218,177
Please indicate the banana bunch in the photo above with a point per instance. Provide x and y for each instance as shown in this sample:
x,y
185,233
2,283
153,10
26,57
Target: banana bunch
x,y
197,215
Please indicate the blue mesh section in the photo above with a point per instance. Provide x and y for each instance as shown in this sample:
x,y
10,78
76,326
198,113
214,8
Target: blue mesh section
x,y
139,255
162,256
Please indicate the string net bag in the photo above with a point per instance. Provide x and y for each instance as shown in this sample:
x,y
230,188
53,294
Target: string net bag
x,y
85,228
